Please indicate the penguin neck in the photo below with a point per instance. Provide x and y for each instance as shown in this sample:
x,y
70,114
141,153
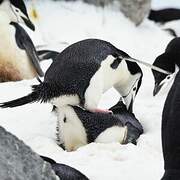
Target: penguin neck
x,y
6,14
4,19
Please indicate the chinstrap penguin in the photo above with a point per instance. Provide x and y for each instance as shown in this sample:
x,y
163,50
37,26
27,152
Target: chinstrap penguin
x,y
170,62
18,57
170,132
82,72
64,172
77,127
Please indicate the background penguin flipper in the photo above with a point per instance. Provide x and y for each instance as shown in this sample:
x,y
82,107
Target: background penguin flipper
x,y
24,42
47,54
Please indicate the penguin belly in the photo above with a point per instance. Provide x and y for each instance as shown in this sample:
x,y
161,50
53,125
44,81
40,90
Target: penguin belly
x,y
14,62
112,134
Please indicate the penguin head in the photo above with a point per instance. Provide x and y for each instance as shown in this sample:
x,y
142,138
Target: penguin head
x,y
16,12
166,62
129,98
131,88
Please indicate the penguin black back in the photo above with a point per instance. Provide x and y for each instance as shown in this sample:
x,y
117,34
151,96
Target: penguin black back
x,y
173,46
96,123
170,132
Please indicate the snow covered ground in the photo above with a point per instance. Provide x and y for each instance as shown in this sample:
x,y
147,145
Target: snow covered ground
x,y
35,124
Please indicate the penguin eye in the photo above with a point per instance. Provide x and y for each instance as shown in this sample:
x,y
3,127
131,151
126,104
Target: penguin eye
x,y
134,89
168,77
17,10
65,120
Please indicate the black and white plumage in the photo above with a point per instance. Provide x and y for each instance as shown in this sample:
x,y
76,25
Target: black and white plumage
x,y
169,61
82,72
18,57
170,132
65,172
77,127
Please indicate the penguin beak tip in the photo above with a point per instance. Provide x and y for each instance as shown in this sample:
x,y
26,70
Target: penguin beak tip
x,y
29,24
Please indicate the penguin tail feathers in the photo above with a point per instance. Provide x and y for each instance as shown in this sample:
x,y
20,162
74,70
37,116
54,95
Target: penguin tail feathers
x,y
38,94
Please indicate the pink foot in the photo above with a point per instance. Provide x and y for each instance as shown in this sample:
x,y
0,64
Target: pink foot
x,y
102,111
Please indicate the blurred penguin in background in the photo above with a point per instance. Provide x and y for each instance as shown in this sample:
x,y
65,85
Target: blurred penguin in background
x,y
18,57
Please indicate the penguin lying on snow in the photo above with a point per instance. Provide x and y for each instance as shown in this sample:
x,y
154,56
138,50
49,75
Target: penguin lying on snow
x,y
77,127
18,58
65,172
169,61
170,132
82,72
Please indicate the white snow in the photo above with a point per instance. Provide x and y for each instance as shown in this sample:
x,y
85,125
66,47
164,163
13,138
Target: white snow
x,y
36,125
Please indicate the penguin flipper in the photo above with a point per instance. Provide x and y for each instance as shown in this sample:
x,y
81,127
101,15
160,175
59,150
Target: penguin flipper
x,y
24,42
47,54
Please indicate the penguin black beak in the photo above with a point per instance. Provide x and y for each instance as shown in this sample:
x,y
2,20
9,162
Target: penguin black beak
x,y
157,88
29,23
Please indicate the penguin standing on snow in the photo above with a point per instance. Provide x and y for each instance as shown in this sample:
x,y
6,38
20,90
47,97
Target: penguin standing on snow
x,y
82,72
77,127
171,133
169,61
18,58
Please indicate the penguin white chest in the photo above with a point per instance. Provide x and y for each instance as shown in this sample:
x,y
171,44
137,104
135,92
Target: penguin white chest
x,y
105,78
11,55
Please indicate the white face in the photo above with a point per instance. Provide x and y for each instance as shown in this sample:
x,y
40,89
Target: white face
x,y
167,80
18,14
14,14
132,93
166,84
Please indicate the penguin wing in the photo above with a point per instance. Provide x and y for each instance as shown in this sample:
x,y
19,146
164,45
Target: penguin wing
x,y
47,54
24,42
